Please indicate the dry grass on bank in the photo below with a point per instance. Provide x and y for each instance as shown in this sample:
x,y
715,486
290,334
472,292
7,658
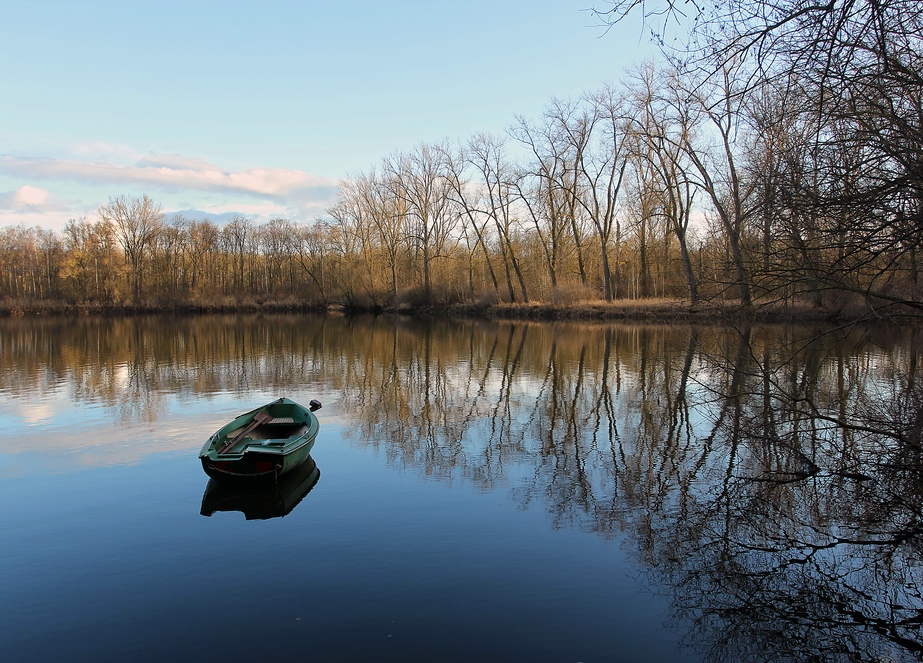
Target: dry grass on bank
x,y
658,310
37,308
661,310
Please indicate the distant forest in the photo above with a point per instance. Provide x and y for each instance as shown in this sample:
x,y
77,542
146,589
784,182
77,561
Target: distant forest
x,y
776,157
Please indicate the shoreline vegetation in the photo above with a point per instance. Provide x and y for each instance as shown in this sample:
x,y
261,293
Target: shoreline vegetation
x,y
637,310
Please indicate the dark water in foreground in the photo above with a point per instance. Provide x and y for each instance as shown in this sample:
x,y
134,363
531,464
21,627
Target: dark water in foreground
x,y
484,491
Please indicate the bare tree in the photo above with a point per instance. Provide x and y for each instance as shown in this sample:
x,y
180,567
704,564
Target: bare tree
x,y
237,238
539,187
422,181
469,196
495,176
388,216
716,166
137,222
203,240
662,124
603,170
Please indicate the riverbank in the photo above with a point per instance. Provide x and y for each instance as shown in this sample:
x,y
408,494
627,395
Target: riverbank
x,y
25,308
649,310
639,310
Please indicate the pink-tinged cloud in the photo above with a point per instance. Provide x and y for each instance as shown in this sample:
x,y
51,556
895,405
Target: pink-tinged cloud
x,y
24,199
174,172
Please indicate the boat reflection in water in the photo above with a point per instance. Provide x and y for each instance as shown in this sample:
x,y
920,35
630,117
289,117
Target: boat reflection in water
x,y
264,499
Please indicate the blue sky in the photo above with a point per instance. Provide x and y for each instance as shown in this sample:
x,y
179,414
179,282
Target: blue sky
x,y
260,108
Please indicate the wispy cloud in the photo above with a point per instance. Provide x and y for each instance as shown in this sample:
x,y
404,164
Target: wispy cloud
x,y
100,151
174,173
49,191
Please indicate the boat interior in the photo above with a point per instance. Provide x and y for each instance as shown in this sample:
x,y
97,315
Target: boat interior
x,y
279,428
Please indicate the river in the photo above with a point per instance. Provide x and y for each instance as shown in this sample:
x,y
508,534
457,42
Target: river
x,y
483,491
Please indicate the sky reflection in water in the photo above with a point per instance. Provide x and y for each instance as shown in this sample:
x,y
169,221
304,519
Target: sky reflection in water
x,y
487,491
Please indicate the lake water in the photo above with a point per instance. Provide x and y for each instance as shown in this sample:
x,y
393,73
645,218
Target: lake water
x,y
483,491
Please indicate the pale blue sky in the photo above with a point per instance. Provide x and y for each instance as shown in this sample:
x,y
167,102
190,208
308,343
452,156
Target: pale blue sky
x,y
259,108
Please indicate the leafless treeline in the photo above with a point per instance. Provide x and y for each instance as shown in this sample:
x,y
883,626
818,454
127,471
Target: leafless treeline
x,y
779,158
133,253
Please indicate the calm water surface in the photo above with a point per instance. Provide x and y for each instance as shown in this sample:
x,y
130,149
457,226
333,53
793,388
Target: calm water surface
x,y
483,491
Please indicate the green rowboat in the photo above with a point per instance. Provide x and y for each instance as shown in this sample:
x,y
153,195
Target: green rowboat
x,y
266,442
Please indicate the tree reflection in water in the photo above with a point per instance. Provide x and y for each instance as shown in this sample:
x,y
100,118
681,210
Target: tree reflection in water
x,y
770,479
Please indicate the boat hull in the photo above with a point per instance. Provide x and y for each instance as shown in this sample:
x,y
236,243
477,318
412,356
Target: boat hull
x,y
254,464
